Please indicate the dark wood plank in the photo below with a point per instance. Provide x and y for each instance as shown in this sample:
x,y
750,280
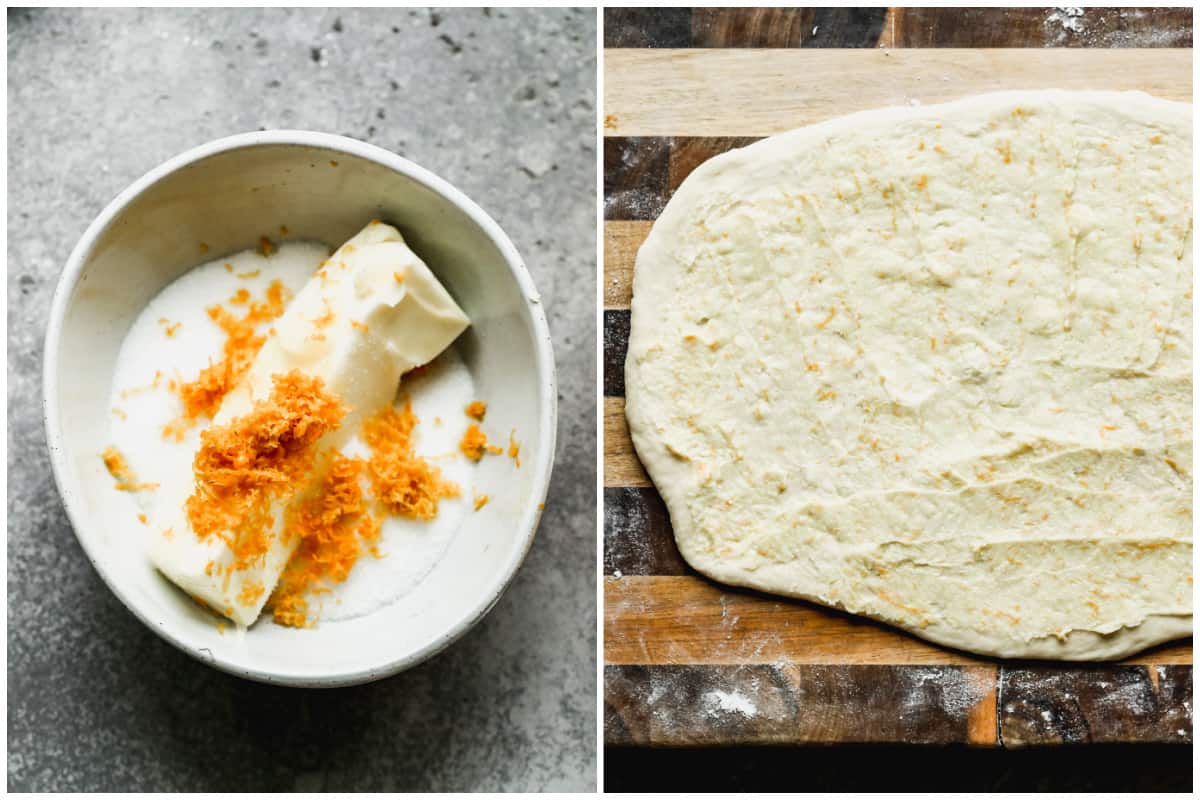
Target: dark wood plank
x,y
641,173
616,344
689,152
637,534
787,27
897,27
754,27
788,704
635,176
1038,27
1043,705
647,27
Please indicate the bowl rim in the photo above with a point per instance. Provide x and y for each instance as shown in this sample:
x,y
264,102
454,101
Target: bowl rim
x,y
530,517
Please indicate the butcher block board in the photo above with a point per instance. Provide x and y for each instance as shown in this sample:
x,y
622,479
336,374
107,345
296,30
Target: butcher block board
x,y
691,662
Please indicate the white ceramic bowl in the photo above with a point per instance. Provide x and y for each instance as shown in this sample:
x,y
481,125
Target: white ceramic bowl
x,y
227,193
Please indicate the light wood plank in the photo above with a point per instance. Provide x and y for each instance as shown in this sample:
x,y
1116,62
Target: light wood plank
x,y
762,92
621,243
621,464
689,620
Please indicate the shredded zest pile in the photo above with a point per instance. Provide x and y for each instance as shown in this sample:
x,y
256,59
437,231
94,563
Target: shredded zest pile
x,y
336,522
243,468
202,397
333,523
403,482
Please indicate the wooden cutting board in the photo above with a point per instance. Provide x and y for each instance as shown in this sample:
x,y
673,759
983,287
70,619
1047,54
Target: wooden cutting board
x,y
688,661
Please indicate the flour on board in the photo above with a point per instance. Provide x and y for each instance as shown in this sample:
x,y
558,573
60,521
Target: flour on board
x,y
718,702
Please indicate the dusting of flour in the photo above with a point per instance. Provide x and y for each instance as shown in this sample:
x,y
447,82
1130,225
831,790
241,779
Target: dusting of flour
x,y
719,702
142,404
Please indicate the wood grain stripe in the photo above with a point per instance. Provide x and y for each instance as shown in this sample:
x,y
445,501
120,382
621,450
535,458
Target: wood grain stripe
x,y
1099,703
691,620
621,464
761,92
983,726
637,534
689,152
696,705
621,242
616,343
787,27
737,27
897,27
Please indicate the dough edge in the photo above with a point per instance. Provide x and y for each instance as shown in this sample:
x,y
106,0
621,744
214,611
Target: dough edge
x,y
669,475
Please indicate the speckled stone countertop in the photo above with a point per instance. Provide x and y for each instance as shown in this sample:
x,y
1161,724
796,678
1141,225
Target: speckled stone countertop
x,y
502,104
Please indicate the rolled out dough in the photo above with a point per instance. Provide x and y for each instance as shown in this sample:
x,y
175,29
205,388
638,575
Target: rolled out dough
x,y
933,365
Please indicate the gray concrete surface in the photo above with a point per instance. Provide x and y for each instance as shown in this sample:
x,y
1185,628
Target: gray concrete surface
x,y
501,103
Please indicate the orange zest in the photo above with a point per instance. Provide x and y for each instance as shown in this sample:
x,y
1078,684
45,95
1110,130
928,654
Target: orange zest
x,y
251,591
403,482
326,319
514,449
247,466
202,397
476,410
119,468
333,524
336,523
474,444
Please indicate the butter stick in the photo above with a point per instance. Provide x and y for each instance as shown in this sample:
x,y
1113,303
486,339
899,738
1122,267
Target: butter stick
x,y
371,313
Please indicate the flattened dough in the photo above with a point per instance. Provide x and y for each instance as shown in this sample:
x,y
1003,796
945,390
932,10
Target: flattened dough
x,y
933,365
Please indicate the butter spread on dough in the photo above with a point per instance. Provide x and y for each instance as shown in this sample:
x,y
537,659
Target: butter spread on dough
x,y
933,365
